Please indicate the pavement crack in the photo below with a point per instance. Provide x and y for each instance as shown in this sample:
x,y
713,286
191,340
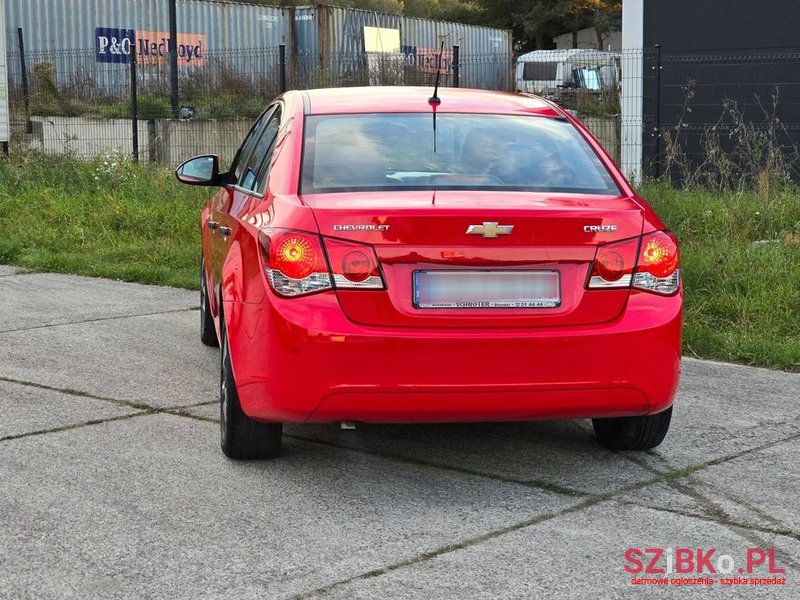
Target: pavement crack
x,y
79,393
194,405
535,483
127,403
680,473
730,522
744,504
582,505
425,556
179,411
88,423
714,511
100,319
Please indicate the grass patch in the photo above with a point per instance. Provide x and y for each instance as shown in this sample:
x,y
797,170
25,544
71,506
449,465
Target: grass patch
x,y
107,217
112,218
740,255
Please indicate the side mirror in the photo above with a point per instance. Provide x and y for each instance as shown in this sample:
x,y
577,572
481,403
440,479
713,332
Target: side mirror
x,y
201,170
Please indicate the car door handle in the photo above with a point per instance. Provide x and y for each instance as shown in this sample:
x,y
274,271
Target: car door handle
x,y
212,225
224,230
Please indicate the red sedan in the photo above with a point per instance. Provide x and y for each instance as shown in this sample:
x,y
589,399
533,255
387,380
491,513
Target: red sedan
x,y
378,255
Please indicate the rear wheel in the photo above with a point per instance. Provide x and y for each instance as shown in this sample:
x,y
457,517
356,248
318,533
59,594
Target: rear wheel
x,y
207,333
241,437
633,433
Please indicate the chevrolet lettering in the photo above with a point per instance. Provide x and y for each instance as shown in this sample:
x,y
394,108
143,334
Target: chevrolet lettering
x,y
339,227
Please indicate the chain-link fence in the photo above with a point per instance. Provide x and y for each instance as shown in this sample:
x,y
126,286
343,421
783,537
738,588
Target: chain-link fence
x,y
725,119
65,101
698,117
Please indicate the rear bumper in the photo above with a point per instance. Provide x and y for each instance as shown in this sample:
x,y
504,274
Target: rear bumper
x,y
301,360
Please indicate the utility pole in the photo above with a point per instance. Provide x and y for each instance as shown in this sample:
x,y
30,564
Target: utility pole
x,y
173,58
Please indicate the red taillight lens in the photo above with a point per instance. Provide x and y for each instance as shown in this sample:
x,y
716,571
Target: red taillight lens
x,y
659,254
657,269
613,264
294,262
356,266
648,263
353,265
610,265
294,255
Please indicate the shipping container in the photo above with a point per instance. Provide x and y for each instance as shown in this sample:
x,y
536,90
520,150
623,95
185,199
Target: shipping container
x,y
342,39
77,35
325,46
218,26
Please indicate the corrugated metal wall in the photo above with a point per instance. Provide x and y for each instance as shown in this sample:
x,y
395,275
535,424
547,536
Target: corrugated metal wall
x,y
325,43
486,53
70,24
335,36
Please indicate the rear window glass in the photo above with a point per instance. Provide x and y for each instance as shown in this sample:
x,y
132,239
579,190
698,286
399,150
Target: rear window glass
x,y
374,152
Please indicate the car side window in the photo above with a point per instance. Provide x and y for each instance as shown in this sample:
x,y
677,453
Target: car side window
x,y
257,163
246,149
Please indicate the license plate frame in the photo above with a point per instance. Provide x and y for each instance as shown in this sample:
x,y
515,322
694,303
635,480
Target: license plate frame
x,y
423,278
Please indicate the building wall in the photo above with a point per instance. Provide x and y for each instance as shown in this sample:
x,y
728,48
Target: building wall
x,y
736,51
587,38
631,101
721,25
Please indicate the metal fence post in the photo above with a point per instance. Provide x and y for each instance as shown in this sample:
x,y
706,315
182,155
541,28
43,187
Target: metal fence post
x,y
657,114
173,59
282,61
24,74
456,66
134,108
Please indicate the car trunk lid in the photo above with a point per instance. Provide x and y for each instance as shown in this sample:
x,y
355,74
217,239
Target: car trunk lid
x,y
415,231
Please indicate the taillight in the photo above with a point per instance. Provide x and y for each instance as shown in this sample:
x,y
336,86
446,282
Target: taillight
x,y
657,268
613,264
294,262
648,263
353,265
295,256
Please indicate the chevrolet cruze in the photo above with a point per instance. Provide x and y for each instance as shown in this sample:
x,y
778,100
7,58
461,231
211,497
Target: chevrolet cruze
x,y
381,255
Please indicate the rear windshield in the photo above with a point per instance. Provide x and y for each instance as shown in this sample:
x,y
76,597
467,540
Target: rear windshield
x,y
399,151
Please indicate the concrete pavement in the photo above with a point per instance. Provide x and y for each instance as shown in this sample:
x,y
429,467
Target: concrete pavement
x,y
113,484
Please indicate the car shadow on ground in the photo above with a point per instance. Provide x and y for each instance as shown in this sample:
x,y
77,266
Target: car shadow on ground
x,y
559,456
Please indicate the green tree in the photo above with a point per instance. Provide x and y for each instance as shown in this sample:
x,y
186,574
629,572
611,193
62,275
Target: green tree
x,y
603,15
533,22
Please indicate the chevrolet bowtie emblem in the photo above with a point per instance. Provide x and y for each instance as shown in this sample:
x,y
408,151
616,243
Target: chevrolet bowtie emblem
x,y
490,229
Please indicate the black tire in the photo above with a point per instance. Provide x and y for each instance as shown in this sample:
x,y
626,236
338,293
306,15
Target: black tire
x,y
633,433
208,334
241,437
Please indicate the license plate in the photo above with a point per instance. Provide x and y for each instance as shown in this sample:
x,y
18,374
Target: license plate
x,y
486,289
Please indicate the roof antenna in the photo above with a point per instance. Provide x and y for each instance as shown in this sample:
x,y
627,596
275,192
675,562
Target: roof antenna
x,y
434,100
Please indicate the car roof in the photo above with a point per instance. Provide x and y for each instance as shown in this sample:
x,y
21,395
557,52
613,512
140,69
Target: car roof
x,y
415,99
